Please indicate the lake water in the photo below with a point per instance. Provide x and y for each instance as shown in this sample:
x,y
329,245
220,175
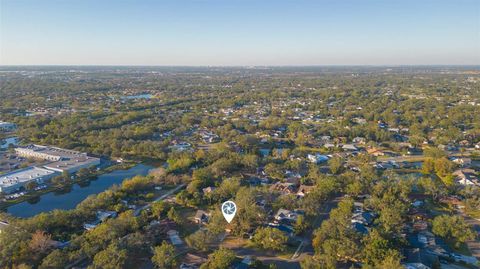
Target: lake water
x,y
69,200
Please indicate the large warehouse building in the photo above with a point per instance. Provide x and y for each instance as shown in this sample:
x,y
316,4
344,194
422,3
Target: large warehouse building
x,y
7,126
13,181
62,159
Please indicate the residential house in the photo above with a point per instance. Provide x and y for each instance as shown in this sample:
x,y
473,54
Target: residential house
x,y
317,158
386,165
174,237
245,263
201,217
327,138
463,161
464,143
382,125
349,147
365,218
208,190
417,258
284,188
209,137
359,228
414,151
329,145
359,140
180,146
289,215
303,190
375,151
7,126
359,120
101,217
287,229
466,177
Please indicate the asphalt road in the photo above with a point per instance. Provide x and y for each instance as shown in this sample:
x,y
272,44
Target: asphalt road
x,y
170,192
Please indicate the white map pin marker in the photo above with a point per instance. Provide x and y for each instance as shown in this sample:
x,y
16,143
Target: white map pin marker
x,y
229,209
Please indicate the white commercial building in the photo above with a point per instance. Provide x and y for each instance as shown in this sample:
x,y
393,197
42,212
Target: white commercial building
x,y
13,181
7,126
62,159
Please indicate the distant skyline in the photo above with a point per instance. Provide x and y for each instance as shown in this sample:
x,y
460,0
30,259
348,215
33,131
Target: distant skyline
x,y
239,32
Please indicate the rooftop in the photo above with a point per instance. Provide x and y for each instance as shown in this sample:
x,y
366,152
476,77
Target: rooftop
x,y
71,163
23,175
54,151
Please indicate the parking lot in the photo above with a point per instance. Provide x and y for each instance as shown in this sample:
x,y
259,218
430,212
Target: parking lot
x,y
10,161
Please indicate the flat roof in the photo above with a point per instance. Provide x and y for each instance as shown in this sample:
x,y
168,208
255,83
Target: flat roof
x,y
4,123
72,163
66,153
69,159
23,175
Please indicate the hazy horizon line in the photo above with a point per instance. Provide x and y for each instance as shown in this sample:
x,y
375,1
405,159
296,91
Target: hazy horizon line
x,y
293,65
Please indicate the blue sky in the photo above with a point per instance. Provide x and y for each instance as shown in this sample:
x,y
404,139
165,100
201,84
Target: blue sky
x,y
239,32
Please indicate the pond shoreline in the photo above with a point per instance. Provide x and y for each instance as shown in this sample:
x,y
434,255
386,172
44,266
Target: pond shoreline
x,y
113,173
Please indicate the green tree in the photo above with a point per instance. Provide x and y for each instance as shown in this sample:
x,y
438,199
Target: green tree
x,y
173,215
391,261
335,164
198,240
55,260
113,257
335,240
274,170
31,185
355,188
180,164
376,249
159,208
270,238
220,259
443,169
301,225
435,153
164,256
249,214
227,189
452,228
428,166
432,186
